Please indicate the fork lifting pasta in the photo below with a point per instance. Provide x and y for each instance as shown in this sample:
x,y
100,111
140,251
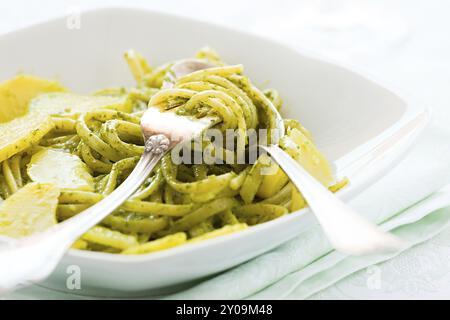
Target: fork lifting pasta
x,y
65,152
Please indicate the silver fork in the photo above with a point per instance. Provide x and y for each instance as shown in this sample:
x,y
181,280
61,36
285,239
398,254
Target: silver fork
x,y
31,259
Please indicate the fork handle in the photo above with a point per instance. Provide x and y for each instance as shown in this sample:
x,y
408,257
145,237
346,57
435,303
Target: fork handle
x,y
33,258
346,230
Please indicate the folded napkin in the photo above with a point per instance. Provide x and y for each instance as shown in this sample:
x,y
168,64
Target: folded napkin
x,y
409,201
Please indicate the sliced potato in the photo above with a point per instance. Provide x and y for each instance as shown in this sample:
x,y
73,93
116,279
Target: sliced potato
x,y
297,200
65,170
21,133
272,183
31,209
70,104
16,93
303,150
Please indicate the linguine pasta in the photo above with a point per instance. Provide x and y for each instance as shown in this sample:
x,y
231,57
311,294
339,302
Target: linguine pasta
x,y
80,148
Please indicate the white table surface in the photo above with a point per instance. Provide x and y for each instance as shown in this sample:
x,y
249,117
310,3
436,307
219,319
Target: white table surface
x,y
406,42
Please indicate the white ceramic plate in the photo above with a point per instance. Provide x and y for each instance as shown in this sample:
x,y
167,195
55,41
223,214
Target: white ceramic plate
x,y
363,127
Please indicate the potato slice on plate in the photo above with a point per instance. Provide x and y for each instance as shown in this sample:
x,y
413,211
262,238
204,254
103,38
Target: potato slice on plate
x,y
272,183
21,133
65,170
16,93
31,209
297,200
303,150
72,105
